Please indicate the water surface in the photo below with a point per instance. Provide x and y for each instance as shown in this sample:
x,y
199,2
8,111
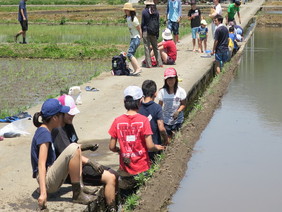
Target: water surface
x,y
236,165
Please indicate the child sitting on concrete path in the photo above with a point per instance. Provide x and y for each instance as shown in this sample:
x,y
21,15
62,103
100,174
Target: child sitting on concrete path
x,y
50,171
133,133
93,173
154,113
167,48
173,100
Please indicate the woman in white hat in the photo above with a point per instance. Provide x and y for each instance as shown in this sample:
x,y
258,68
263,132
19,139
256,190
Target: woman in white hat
x,y
150,30
135,35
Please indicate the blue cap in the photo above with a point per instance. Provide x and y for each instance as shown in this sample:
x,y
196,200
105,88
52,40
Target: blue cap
x,y
52,107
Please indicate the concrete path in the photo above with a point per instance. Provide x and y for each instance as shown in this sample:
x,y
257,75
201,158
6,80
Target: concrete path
x,y
97,113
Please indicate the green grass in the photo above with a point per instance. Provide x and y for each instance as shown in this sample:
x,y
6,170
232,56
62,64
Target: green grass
x,y
63,2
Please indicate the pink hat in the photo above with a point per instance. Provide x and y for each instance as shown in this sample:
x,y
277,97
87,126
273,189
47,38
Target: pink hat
x,y
69,101
170,72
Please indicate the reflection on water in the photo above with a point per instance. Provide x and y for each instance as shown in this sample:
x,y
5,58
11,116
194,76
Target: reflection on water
x,y
236,164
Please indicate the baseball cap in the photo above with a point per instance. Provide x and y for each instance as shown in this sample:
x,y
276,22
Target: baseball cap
x,y
67,100
204,22
134,91
52,107
170,72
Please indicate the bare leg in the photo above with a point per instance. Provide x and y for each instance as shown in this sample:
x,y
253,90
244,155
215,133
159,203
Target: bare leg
x,y
135,64
163,56
200,45
194,44
200,48
217,66
110,186
205,44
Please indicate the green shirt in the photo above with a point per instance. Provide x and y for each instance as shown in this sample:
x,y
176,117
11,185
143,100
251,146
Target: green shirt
x,y
232,9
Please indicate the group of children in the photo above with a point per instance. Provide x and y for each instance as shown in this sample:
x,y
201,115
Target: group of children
x,y
137,136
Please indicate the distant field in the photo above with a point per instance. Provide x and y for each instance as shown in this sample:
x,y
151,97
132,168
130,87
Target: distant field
x,y
62,2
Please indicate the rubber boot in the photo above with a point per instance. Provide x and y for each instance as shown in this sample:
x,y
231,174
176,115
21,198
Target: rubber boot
x,y
79,196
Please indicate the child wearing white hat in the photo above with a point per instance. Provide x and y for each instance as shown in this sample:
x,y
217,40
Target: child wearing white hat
x,y
203,35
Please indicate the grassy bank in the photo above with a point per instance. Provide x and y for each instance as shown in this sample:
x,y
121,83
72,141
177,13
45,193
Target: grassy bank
x,y
63,2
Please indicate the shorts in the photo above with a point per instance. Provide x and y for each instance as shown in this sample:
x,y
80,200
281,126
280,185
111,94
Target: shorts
x,y
58,172
170,61
91,177
194,32
171,128
24,25
203,38
222,57
173,26
134,43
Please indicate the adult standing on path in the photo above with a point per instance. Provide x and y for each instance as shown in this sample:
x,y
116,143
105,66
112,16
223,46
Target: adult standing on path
x,y
174,12
231,12
135,35
22,18
220,46
150,30
216,10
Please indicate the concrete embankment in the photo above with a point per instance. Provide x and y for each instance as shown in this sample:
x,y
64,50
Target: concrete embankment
x,y
97,113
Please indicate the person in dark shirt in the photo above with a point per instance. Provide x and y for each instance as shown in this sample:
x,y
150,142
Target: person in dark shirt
x,y
194,15
220,46
93,173
154,113
22,18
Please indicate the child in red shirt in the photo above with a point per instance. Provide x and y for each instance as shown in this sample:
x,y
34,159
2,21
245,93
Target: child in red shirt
x,y
167,48
133,132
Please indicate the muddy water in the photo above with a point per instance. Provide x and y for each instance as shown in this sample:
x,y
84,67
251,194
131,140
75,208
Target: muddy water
x,y
236,165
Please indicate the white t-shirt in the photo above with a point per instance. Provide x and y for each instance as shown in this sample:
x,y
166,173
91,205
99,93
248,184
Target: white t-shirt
x,y
171,103
218,9
132,27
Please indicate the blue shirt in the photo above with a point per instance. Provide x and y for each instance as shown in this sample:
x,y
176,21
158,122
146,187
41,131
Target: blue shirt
x,y
232,36
154,113
22,5
202,32
174,10
42,135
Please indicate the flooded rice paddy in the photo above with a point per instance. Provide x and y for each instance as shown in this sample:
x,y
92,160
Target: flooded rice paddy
x,y
236,165
27,82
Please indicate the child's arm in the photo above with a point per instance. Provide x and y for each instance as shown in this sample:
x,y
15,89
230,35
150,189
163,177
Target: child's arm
x,y
139,30
43,154
163,131
181,108
151,146
112,145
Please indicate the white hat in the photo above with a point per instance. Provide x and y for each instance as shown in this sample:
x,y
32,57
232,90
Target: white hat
x,y
67,100
204,22
134,91
167,34
149,2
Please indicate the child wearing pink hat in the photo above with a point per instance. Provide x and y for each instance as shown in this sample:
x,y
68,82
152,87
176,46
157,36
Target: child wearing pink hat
x,y
173,99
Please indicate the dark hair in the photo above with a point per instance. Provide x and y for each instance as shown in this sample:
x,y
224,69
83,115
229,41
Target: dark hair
x,y
131,104
152,8
149,88
132,15
175,85
238,3
219,18
45,120
231,29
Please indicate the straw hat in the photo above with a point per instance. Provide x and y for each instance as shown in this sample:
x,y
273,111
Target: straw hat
x,y
167,34
149,2
128,6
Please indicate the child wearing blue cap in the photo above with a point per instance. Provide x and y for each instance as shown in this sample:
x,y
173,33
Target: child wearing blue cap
x,y
50,171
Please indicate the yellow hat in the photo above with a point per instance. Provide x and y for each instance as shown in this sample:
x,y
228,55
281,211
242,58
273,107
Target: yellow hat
x,y
128,6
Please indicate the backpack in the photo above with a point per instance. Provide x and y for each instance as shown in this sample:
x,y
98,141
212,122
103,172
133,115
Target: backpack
x,y
153,25
119,66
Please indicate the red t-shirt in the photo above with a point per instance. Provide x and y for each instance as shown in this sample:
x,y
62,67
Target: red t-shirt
x,y
170,48
130,130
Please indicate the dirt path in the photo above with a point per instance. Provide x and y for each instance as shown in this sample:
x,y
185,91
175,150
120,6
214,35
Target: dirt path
x,y
97,113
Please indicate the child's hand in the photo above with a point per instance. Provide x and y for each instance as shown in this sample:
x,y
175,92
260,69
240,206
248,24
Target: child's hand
x,y
175,115
42,202
159,147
